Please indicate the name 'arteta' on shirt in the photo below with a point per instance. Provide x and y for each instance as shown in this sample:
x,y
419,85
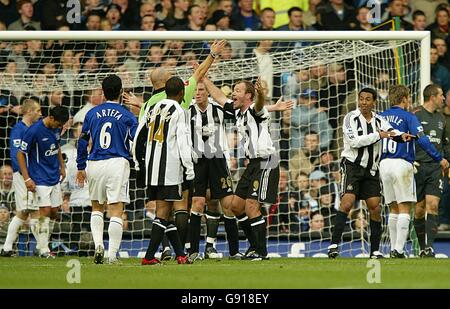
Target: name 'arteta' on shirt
x,y
109,112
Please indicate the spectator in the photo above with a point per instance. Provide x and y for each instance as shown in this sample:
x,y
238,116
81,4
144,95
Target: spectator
x,y
317,179
428,7
129,13
4,224
439,74
309,16
8,12
2,28
114,15
203,4
163,9
283,213
306,118
295,21
444,57
396,9
337,15
439,29
54,14
17,55
245,18
105,25
93,21
358,219
267,19
226,5
419,21
110,61
362,16
327,198
178,19
25,22
265,65
6,191
306,159
94,98
196,18
317,222
148,23
133,60
154,57
147,9
33,56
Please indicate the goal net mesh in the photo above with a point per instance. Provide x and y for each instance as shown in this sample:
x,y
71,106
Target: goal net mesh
x,y
323,79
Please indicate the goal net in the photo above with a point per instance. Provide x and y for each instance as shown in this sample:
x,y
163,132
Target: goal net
x,y
321,72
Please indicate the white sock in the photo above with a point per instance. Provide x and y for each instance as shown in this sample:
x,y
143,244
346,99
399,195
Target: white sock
x,y
402,232
13,232
392,224
34,228
97,228
43,235
115,231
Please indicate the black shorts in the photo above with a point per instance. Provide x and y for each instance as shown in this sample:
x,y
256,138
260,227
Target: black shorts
x,y
165,193
213,174
359,181
260,181
428,180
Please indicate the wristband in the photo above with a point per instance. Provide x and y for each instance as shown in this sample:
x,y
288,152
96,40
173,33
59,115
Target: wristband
x,y
27,180
214,55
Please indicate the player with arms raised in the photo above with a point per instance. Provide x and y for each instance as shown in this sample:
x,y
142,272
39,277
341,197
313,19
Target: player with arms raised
x,y
111,127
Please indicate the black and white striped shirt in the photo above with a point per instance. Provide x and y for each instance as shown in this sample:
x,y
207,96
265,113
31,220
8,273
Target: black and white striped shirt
x,y
253,128
361,139
208,129
162,142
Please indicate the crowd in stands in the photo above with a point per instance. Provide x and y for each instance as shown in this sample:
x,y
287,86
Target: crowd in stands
x,y
309,138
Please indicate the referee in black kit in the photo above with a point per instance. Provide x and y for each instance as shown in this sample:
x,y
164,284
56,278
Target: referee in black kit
x,y
363,129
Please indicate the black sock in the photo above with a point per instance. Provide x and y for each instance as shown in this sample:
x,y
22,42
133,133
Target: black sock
x,y
174,238
194,229
181,222
232,231
339,225
158,229
375,235
259,229
212,225
165,242
245,226
431,226
419,227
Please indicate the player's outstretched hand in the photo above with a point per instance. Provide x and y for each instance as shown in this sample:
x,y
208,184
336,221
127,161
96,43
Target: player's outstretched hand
x,y
406,137
282,106
81,178
217,47
258,86
131,99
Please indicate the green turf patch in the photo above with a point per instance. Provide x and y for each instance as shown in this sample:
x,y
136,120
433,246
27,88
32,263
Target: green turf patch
x,y
223,274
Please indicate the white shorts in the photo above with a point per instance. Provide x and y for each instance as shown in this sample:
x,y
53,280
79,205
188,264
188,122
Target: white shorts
x,y
397,176
23,198
46,196
108,180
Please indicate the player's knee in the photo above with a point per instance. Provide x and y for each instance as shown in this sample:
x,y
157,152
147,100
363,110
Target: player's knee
x,y
252,208
433,206
419,212
198,204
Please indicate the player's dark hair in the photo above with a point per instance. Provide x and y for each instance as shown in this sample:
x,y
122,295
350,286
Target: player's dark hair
x,y
397,93
112,87
60,114
174,86
429,91
294,9
372,91
249,88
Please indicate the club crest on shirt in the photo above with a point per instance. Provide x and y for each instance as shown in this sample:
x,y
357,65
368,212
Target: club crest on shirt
x,y
255,185
350,187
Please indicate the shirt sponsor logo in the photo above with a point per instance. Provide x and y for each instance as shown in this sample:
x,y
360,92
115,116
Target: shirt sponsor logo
x,y
16,143
52,151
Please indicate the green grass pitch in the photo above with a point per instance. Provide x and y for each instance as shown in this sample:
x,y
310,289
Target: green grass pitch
x,y
225,274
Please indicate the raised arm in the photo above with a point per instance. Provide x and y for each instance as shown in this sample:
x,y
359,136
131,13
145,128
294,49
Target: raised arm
x,y
215,92
259,104
215,50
